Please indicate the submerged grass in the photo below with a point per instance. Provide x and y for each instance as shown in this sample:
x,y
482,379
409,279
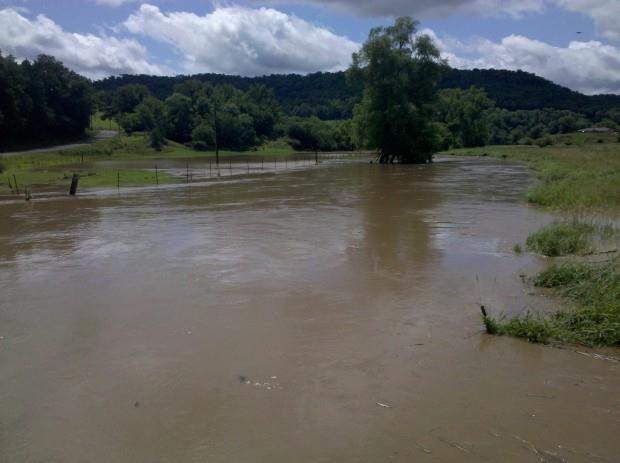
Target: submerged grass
x,y
560,239
594,289
580,175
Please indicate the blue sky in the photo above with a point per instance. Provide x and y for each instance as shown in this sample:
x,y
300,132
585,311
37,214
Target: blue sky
x,y
250,37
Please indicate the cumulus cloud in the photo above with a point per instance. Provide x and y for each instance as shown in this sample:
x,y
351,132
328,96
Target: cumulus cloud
x,y
605,13
244,41
590,67
427,8
112,3
92,55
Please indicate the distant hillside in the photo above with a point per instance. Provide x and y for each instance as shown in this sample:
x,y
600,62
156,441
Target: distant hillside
x,y
514,90
328,96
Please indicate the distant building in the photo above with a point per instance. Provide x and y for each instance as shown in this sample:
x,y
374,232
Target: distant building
x,y
596,130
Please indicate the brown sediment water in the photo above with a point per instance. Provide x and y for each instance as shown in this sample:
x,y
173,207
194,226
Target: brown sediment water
x,y
327,314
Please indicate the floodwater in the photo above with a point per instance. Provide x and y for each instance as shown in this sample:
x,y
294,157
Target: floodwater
x,y
320,314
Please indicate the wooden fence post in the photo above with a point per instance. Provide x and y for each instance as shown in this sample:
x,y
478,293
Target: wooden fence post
x,y
74,184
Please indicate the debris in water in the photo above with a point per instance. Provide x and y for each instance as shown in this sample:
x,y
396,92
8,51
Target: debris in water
x,y
136,404
541,396
453,444
599,357
384,405
269,385
425,450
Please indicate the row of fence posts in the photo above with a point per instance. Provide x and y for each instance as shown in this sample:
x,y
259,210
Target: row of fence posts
x,y
75,179
14,187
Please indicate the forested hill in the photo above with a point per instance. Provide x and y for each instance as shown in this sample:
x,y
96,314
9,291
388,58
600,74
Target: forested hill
x,y
514,90
328,96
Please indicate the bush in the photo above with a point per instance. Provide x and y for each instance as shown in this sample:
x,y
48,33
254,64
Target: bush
x,y
527,141
157,139
544,141
560,239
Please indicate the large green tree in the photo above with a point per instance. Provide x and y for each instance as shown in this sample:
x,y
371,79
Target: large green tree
x,y
464,112
400,72
41,100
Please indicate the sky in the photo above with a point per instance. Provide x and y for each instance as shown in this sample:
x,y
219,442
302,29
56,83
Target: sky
x,y
575,43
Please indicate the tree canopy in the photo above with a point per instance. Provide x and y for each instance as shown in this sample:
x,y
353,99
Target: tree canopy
x,y
400,72
41,99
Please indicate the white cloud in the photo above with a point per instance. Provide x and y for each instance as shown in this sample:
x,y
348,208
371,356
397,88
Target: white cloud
x,y
113,3
590,67
427,8
605,13
244,41
92,55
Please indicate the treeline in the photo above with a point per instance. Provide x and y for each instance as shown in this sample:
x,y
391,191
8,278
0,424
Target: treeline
x,y
469,118
41,100
44,101
328,96
324,95
206,117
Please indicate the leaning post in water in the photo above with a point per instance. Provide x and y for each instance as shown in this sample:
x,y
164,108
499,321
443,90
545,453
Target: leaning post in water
x,y
74,184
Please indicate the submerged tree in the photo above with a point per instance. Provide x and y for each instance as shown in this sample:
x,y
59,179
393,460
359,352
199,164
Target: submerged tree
x,y
400,72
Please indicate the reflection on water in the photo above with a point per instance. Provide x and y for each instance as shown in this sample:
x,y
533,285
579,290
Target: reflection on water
x,y
262,318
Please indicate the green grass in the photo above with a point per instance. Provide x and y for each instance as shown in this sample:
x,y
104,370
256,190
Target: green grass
x,y
54,169
560,239
582,176
593,289
128,177
98,123
578,174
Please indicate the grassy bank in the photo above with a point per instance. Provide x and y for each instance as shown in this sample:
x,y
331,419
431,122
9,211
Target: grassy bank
x,y
54,169
578,175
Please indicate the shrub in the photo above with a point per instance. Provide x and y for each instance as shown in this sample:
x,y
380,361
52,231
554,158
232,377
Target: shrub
x,y
544,141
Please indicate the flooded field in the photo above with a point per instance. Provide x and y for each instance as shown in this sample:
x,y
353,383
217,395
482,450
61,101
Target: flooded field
x,y
315,314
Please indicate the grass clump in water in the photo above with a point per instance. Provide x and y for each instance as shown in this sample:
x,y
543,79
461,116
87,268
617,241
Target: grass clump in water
x,y
595,290
560,239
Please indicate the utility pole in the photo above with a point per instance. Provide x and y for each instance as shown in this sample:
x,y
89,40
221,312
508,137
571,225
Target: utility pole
x,y
217,148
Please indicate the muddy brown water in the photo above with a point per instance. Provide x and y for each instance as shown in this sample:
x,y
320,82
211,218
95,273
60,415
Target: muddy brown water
x,y
327,314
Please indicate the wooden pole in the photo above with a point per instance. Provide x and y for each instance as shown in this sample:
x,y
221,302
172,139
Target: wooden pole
x,y
217,146
118,181
156,176
15,183
74,184
230,166
187,172
316,157
10,185
209,168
